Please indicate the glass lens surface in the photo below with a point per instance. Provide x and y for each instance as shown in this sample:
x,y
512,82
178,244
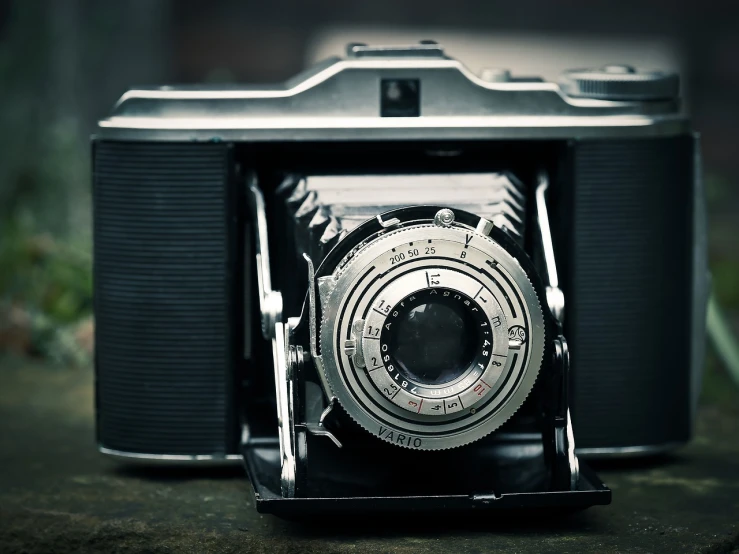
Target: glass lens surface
x,y
435,340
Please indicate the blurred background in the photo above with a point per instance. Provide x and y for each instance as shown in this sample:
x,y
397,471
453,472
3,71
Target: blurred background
x,y
63,64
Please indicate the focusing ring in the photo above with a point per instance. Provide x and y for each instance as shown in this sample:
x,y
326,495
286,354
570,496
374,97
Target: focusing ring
x,y
375,397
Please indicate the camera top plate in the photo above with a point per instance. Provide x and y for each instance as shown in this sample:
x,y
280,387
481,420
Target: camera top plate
x,y
391,93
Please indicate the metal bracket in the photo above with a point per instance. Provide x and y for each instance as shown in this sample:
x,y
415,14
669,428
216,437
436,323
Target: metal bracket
x,y
312,306
284,388
320,429
555,297
389,223
313,323
273,328
270,301
568,466
353,346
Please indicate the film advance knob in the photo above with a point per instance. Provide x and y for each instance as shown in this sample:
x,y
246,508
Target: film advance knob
x,y
620,82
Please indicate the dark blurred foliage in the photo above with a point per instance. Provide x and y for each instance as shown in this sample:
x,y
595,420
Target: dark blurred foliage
x,y
63,63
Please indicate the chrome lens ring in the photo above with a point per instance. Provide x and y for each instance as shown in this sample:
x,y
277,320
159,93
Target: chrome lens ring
x,y
419,257
456,396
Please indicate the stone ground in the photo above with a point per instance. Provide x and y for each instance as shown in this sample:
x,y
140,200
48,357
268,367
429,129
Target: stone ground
x,y
58,495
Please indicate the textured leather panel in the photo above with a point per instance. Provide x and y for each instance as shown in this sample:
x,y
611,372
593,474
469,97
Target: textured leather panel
x,y
161,297
629,291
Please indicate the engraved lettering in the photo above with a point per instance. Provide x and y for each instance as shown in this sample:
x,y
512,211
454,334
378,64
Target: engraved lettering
x,y
516,336
396,258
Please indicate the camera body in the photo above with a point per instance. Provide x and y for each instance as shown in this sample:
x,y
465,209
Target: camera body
x,y
232,227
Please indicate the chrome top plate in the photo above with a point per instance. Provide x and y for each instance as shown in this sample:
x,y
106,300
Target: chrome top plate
x,y
339,99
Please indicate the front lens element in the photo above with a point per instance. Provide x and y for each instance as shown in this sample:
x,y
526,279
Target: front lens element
x,y
435,339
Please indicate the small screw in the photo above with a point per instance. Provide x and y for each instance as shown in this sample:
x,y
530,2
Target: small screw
x,y
472,410
444,218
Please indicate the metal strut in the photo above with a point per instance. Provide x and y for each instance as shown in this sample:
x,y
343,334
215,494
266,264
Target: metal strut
x,y
273,328
559,440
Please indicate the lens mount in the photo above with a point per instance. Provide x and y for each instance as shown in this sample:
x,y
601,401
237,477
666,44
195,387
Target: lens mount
x,y
432,335
457,394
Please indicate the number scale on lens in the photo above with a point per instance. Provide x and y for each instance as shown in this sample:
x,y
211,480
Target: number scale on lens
x,y
426,337
437,305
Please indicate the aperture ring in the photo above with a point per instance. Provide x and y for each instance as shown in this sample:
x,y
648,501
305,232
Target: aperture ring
x,y
458,394
357,288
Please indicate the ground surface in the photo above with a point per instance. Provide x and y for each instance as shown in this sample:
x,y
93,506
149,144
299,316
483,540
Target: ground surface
x,y
57,495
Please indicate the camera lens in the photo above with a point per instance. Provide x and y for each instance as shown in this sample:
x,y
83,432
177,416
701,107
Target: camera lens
x,y
415,331
435,339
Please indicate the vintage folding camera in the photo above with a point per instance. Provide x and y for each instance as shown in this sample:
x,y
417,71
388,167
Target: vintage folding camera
x,y
391,284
